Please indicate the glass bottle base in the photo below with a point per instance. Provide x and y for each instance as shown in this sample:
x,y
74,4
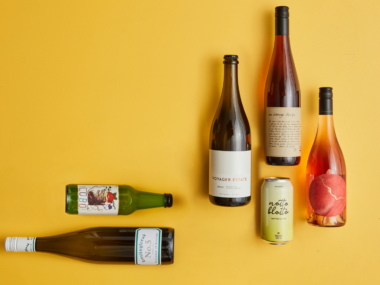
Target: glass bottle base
x,y
283,161
326,222
229,202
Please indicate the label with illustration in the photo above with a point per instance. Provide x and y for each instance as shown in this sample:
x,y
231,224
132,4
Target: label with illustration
x,y
327,195
98,199
148,246
283,132
277,212
230,174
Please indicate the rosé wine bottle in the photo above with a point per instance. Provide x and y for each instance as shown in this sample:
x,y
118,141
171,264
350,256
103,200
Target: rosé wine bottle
x,y
326,171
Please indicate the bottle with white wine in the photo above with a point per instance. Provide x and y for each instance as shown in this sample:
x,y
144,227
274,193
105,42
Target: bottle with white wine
x,y
230,145
141,246
111,200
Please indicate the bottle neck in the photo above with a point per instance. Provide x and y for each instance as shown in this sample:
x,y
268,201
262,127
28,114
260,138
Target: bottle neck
x,y
325,106
230,84
282,47
148,200
20,244
326,130
282,26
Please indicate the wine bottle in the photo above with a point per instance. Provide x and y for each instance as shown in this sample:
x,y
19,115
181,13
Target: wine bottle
x,y
326,171
111,200
230,145
282,100
142,246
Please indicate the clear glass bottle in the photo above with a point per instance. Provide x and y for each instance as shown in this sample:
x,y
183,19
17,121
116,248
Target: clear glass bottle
x,y
282,100
326,171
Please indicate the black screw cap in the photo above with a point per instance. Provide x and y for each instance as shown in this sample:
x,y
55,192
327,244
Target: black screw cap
x,y
325,93
168,200
282,12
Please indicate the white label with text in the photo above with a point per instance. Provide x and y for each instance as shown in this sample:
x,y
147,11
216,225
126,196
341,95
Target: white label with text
x,y
148,246
230,174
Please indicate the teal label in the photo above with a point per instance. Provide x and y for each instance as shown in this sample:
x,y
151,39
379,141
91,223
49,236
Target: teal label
x,y
148,246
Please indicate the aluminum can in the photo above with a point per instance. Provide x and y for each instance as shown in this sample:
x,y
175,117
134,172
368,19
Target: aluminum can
x,y
277,210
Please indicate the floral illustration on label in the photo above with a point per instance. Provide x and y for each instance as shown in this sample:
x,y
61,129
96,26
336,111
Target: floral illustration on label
x,y
97,198
327,195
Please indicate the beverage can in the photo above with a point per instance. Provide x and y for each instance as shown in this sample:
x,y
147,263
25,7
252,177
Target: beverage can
x,y
277,210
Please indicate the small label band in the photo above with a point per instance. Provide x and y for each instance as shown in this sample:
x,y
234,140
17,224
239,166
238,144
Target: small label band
x,y
20,244
98,199
148,246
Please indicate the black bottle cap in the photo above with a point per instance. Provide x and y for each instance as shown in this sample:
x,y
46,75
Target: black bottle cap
x,y
325,101
230,58
282,12
168,200
325,93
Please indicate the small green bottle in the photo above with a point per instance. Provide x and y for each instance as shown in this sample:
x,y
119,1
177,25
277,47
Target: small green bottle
x,y
111,200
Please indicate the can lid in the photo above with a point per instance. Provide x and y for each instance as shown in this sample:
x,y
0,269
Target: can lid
x,y
277,179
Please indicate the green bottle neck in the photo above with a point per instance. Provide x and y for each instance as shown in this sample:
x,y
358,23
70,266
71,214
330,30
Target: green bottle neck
x,y
146,200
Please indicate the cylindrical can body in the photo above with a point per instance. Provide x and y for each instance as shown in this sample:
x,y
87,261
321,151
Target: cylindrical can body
x,y
277,210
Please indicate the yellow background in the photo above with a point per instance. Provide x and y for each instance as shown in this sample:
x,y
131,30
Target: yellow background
x,y
124,92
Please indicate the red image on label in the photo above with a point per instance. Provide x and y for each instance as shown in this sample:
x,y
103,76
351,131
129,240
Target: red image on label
x,y
327,194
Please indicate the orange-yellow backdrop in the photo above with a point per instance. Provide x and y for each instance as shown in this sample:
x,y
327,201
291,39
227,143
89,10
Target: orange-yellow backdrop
x,y
124,92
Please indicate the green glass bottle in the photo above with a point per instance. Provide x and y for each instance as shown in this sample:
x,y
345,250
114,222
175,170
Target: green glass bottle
x,y
141,246
111,200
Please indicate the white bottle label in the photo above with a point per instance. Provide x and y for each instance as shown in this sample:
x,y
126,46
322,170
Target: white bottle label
x,y
98,199
148,246
20,244
283,131
230,174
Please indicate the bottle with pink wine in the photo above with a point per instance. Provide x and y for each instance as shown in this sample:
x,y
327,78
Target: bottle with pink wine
x,y
326,171
282,100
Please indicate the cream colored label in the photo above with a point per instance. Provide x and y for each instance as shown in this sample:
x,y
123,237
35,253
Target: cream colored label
x,y
230,174
283,132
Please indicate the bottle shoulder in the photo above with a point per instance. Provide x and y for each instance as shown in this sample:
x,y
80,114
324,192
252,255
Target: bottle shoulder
x,y
282,86
326,157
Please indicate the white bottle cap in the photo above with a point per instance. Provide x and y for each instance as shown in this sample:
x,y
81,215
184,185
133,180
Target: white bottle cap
x,y
20,244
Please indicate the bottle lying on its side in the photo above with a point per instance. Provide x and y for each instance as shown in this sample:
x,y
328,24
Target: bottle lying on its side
x,y
142,246
111,200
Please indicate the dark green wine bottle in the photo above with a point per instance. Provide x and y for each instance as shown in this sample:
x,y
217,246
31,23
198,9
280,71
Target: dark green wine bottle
x,y
111,200
142,246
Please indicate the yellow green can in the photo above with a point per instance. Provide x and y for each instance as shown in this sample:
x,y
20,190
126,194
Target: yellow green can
x,y
277,210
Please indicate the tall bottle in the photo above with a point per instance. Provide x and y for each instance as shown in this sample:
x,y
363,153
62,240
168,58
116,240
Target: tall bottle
x,y
282,100
230,145
111,200
142,246
326,171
